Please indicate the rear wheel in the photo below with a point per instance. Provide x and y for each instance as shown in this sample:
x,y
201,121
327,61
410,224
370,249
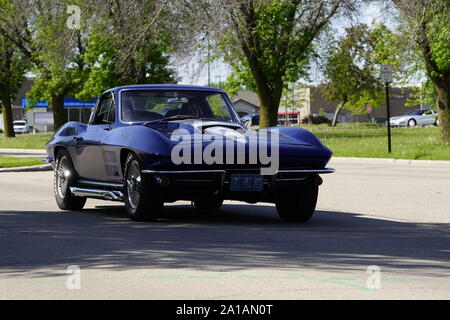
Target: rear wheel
x,y
64,178
143,198
299,203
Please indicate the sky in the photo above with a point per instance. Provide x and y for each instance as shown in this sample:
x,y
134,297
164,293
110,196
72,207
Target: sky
x,y
195,72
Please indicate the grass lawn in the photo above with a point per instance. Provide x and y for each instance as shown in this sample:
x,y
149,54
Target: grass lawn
x,y
346,140
25,141
370,141
10,162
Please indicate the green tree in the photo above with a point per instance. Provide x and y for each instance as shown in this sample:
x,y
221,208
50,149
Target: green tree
x,y
113,43
352,68
430,22
39,29
423,95
274,43
12,74
128,43
60,69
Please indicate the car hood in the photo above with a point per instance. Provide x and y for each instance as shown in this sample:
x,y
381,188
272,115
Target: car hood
x,y
297,148
197,130
399,118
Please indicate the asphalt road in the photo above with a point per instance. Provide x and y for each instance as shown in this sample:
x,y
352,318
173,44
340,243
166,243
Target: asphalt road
x,y
394,217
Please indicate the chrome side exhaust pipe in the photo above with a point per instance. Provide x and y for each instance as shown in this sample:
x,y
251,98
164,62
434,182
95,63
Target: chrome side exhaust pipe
x,y
97,193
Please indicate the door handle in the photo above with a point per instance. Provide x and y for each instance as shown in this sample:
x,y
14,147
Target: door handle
x,y
77,139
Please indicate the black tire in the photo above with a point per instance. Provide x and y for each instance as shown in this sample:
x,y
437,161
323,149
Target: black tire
x,y
208,204
64,177
412,123
143,198
299,203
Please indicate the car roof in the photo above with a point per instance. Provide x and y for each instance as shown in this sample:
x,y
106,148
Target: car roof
x,y
165,87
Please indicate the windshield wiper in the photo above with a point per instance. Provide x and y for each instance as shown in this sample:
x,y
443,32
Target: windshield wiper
x,y
172,118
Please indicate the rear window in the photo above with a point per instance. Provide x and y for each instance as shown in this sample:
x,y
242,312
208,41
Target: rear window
x,y
416,112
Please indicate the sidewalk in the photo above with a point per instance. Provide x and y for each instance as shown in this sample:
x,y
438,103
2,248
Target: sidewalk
x,y
23,153
404,162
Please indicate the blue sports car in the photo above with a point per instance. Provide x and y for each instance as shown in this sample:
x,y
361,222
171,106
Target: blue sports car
x,y
147,145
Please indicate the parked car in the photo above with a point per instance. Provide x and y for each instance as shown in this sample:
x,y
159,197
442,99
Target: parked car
x,y
420,117
251,120
21,126
126,153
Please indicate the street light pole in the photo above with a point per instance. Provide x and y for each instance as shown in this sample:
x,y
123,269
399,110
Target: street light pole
x,y
386,77
388,110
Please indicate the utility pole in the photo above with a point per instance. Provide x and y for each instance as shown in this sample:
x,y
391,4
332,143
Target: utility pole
x,y
209,62
220,81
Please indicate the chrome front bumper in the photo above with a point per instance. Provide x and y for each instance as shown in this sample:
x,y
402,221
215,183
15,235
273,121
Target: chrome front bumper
x,y
308,171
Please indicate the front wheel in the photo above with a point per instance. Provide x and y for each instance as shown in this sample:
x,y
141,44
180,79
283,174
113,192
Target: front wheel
x,y
412,123
298,204
64,178
143,199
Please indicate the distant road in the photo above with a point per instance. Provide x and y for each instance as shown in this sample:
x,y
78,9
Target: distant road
x,y
391,216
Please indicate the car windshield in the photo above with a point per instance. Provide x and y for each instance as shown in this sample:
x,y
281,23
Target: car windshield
x,y
416,112
19,123
153,105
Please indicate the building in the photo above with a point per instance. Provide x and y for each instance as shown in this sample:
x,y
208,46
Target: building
x,y
315,104
246,102
40,117
299,103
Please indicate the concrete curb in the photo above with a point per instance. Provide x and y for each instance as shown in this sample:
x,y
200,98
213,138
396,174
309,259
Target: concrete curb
x,y
45,167
403,162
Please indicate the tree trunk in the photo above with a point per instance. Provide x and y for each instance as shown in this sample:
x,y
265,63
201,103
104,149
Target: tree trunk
x,y
59,114
336,113
443,92
268,116
441,81
8,128
270,99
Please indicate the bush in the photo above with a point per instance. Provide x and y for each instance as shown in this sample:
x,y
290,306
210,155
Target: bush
x,y
315,119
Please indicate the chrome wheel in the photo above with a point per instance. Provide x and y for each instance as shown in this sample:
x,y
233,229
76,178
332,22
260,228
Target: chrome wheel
x,y
62,177
133,179
143,199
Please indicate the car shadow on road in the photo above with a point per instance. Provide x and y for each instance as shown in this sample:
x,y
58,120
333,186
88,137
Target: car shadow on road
x,y
237,237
